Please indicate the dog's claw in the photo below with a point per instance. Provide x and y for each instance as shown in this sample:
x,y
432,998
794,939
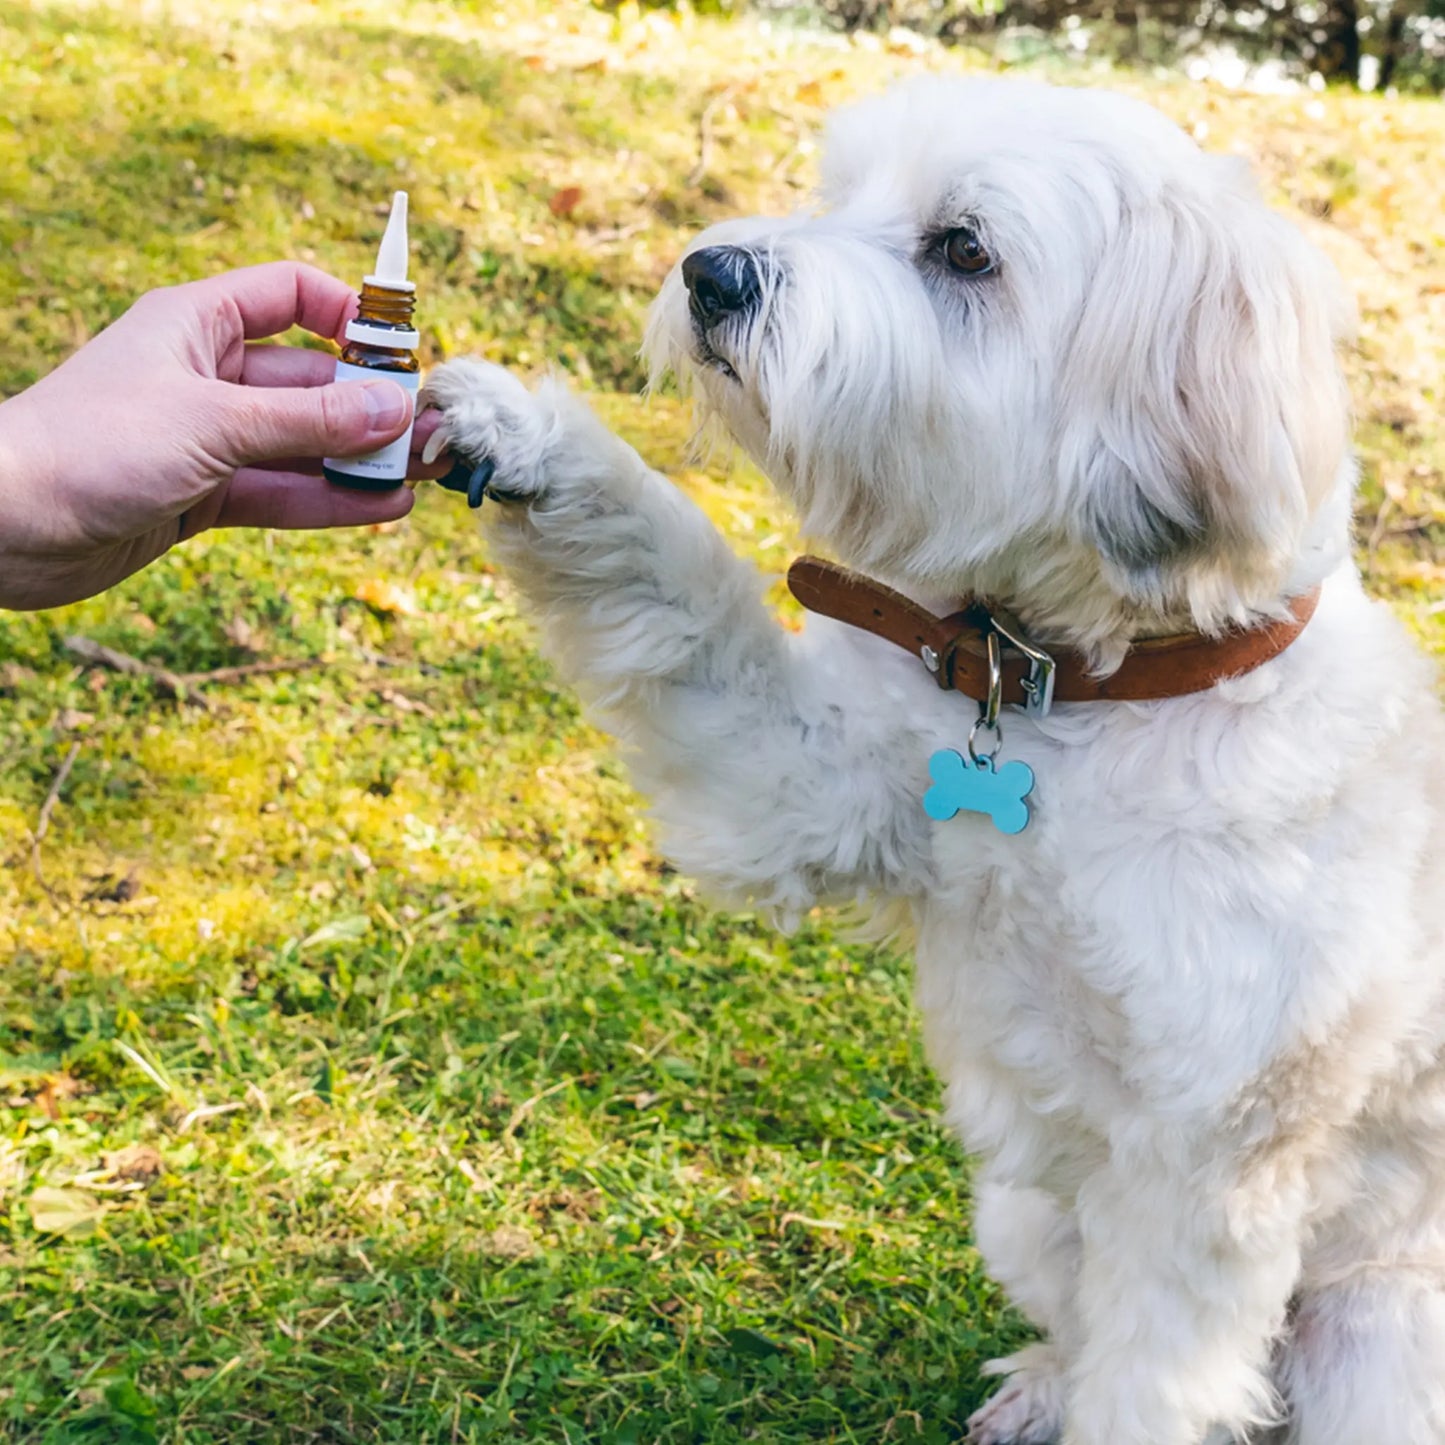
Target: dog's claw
x,y
469,478
477,485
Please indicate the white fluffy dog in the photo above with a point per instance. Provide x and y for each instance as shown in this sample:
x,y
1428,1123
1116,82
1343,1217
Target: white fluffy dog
x,y
1034,346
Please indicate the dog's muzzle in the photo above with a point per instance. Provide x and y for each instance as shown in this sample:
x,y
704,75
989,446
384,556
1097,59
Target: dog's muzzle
x,y
722,283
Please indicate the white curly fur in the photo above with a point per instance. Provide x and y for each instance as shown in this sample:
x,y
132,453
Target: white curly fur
x,y
1191,1019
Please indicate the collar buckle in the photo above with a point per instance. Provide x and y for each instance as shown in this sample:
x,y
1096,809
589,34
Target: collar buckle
x,y
1038,686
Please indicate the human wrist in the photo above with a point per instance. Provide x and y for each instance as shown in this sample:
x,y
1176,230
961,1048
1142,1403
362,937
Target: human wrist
x,y
34,530
10,463
27,461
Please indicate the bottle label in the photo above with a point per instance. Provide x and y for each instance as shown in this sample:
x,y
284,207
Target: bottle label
x,y
388,464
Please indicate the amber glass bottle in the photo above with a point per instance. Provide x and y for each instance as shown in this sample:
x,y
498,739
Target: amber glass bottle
x,y
382,341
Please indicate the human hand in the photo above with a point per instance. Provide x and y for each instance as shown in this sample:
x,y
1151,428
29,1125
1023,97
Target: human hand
x,y
168,423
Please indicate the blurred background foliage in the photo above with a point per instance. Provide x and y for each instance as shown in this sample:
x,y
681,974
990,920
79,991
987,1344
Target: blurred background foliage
x,y
1374,44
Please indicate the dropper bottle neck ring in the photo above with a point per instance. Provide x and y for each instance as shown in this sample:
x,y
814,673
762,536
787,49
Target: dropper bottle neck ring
x,y
386,283
379,333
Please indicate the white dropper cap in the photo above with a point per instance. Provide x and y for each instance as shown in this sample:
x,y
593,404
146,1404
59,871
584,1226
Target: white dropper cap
x,y
390,273
391,258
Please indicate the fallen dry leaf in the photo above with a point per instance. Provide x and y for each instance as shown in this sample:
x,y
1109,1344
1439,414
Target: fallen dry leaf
x,y
70,1213
136,1161
112,889
564,202
12,674
240,632
45,1101
509,1242
384,596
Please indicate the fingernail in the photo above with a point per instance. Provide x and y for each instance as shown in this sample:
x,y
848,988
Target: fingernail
x,y
386,405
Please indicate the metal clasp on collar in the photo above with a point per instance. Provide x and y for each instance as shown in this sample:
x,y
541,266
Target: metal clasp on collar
x,y
991,706
1038,686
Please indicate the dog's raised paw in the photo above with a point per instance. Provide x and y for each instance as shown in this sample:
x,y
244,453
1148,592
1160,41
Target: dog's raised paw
x,y
492,425
1029,1409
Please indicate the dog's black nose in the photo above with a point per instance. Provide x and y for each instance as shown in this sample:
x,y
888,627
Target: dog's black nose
x,y
721,281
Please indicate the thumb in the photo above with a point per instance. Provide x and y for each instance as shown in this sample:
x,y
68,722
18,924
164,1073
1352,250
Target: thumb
x,y
343,419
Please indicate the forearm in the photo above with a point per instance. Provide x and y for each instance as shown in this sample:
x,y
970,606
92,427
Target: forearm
x,y
773,781
49,555
28,506
632,585
767,782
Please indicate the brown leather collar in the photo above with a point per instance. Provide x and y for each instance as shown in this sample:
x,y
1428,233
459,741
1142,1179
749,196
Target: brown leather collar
x,y
955,648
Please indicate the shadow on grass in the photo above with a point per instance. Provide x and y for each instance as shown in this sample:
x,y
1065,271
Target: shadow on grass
x,y
584,1172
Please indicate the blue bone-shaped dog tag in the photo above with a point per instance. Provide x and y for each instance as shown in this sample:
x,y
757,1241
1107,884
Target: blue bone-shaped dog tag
x,y
977,788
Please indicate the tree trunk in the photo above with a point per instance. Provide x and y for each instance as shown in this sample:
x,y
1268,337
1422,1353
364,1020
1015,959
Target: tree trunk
x,y
1338,55
1393,47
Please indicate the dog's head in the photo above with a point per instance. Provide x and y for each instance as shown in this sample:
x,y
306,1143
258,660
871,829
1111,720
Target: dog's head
x,y
1036,344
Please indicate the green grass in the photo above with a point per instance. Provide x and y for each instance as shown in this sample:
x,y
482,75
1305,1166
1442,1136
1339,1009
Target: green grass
x,y
364,1074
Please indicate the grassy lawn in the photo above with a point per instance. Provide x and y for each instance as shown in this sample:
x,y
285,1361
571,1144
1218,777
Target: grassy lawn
x,y
364,1074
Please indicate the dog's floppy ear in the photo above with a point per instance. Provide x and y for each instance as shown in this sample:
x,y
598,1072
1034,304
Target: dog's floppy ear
x,y
1202,412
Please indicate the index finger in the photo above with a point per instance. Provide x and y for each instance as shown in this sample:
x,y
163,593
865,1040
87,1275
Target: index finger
x,y
279,294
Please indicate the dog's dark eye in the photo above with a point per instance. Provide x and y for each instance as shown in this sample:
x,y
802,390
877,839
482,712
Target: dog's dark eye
x,y
966,253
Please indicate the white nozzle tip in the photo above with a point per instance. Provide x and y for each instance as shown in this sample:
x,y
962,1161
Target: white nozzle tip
x,y
391,258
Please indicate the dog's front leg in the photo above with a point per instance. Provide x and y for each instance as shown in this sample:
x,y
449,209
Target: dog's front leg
x,y
776,776
1185,1279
